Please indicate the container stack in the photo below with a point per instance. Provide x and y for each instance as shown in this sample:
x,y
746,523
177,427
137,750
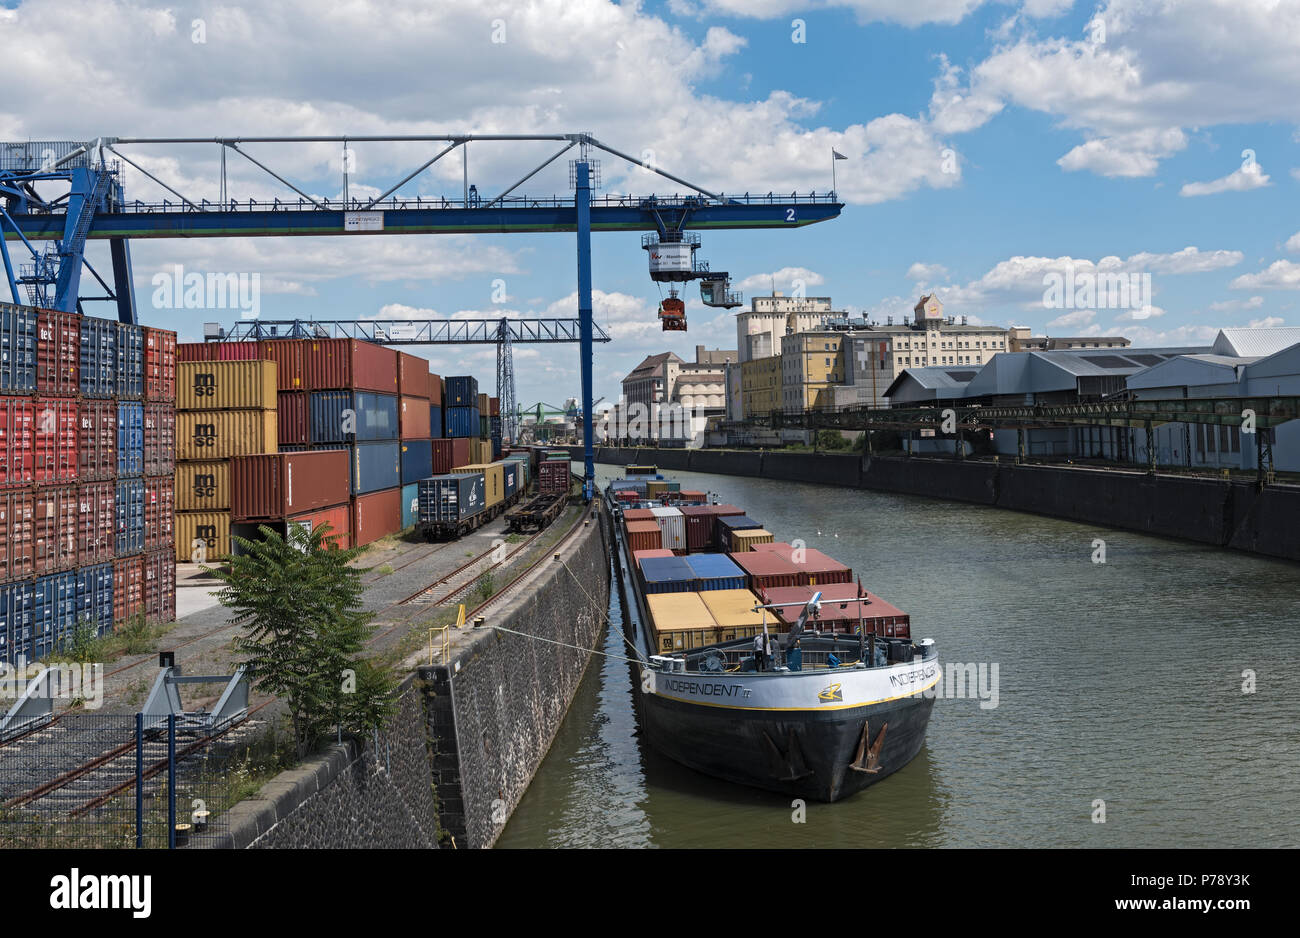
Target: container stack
x,y
87,424
419,423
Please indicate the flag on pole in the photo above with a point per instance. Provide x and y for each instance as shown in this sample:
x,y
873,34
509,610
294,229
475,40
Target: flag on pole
x,y
836,154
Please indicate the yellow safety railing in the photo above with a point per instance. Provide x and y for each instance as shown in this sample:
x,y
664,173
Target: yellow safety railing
x,y
446,641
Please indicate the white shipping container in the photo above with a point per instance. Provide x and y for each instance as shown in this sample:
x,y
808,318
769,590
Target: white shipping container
x,y
672,525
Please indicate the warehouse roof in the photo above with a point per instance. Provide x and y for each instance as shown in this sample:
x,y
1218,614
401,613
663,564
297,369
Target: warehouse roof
x,y
1189,371
1256,342
915,384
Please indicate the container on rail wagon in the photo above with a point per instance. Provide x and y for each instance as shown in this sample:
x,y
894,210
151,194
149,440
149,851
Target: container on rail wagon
x,y
494,481
451,497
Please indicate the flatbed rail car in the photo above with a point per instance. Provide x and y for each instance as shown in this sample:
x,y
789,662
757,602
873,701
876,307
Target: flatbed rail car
x,y
536,514
450,530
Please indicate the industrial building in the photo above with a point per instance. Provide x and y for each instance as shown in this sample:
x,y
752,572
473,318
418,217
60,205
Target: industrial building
x,y
668,400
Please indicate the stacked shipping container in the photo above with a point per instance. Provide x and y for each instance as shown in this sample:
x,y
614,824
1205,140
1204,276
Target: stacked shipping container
x,y
87,430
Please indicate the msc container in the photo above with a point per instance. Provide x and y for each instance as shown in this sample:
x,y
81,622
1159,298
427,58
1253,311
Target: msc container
x,y
667,575
159,586
98,368
58,352
347,363
414,420
54,440
674,528
17,349
95,597
644,535
410,505
462,391
376,515
54,529
217,434
159,439
159,365
766,570
338,519
16,604
130,438
412,375
494,480
417,460
202,536
128,511
293,427
235,352
749,538
159,513
553,478
274,486
195,351
461,421
734,609
54,611
347,416
17,536
128,589
129,373
203,486
640,555
450,497
97,522
715,572
288,358
375,466
238,385
448,453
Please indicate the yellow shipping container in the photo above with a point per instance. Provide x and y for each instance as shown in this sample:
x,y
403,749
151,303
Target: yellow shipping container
x,y
202,536
735,608
483,405
494,480
220,434
203,486
226,386
745,540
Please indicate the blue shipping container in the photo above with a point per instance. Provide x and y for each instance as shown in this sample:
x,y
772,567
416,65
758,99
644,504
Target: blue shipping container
x,y
373,417
462,391
130,438
16,603
667,575
376,466
95,597
461,421
410,504
417,460
716,572
129,375
17,349
98,357
451,497
54,611
435,421
510,473
129,505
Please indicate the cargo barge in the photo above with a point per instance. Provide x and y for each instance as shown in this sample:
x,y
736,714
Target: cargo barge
x,y
839,701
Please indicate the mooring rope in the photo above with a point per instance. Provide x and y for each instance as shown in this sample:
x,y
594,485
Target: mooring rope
x,y
551,641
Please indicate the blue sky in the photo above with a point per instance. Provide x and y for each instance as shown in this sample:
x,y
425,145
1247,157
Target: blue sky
x,y
1071,145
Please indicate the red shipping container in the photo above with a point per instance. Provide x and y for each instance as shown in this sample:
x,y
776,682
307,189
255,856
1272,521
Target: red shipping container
x,y
816,568
235,352
159,365
768,570
376,515
841,609
271,486
644,535
160,586
638,514
494,407
195,351
412,376
97,522
159,439
287,355
54,440
54,537
17,433
17,532
128,589
58,352
553,477
339,519
292,417
97,439
435,390
699,526
448,454
413,418
347,363
159,513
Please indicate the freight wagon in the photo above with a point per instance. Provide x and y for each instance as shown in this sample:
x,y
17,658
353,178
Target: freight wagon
x,y
452,505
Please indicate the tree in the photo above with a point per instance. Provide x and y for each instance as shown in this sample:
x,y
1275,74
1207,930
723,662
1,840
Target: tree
x,y
298,600
831,439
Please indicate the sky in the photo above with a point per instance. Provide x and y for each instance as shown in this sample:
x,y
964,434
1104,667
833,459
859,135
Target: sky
x,y
989,144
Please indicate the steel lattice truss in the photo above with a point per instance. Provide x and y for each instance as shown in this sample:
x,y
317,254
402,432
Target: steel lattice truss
x,y
411,331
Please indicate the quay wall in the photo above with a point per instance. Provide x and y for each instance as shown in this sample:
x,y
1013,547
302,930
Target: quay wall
x,y
1233,514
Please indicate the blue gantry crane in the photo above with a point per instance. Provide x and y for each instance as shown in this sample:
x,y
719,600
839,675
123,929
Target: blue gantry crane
x,y
54,229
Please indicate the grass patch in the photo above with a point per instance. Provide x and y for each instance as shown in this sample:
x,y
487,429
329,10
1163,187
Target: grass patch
x,y
384,569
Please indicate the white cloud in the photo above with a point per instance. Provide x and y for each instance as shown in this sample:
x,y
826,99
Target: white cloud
x,y
1145,336
786,280
1075,319
927,273
1132,154
1279,275
913,13
1137,315
1293,243
1241,180
1268,322
1253,302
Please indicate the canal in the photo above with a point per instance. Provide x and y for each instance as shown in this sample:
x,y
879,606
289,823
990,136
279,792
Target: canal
x,y
1122,689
